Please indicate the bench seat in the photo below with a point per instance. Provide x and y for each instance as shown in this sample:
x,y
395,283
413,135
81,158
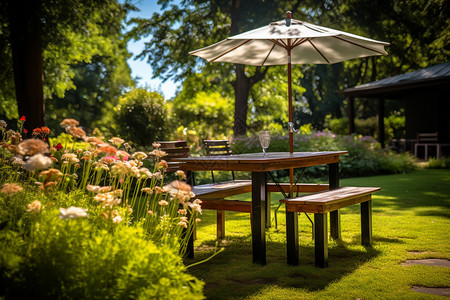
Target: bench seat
x,y
320,204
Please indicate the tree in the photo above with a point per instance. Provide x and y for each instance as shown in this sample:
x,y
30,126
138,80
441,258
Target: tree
x,y
196,24
44,39
418,31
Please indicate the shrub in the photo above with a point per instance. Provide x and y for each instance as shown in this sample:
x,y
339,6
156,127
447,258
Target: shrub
x,y
141,117
441,163
394,126
71,259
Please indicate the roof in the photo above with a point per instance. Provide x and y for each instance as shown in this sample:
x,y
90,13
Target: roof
x,y
431,76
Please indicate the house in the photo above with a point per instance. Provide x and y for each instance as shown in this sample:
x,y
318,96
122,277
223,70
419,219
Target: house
x,y
425,95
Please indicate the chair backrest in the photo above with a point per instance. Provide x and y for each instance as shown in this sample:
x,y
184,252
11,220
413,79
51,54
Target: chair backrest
x,y
427,137
175,150
215,148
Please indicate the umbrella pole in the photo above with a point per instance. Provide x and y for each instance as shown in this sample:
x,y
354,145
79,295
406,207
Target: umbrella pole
x,y
291,132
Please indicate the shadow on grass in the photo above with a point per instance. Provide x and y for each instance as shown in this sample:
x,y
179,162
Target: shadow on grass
x,y
232,274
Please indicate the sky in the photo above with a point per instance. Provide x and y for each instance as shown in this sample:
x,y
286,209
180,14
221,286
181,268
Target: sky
x,y
141,68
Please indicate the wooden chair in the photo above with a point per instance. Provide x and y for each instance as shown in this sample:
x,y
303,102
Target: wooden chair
x,y
427,140
222,147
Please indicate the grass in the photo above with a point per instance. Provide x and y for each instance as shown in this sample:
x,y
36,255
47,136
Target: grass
x,y
411,220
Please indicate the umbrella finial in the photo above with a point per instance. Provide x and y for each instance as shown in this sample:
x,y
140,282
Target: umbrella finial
x,y
288,18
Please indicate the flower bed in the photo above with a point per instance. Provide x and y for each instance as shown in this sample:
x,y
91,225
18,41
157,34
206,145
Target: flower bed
x,y
84,218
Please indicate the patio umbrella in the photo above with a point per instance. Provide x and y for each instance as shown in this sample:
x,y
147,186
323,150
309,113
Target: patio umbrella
x,y
290,42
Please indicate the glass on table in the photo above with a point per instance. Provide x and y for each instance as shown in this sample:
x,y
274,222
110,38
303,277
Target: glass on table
x,y
264,140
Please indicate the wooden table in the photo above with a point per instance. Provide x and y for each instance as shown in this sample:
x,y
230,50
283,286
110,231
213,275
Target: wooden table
x,y
259,166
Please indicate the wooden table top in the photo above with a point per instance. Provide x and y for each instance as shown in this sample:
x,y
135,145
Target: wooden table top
x,y
256,162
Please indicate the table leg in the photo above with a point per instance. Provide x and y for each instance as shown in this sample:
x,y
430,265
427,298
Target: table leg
x,y
366,223
335,216
259,196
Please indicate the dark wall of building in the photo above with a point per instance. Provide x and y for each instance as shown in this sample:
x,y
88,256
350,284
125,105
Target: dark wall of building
x,y
428,111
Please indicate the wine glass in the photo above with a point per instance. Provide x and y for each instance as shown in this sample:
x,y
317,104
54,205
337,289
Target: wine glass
x,y
264,140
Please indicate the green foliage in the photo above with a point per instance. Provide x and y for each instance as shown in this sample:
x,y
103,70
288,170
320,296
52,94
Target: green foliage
x,y
209,115
441,163
419,29
141,117
394,126
73,32
121,232
70,259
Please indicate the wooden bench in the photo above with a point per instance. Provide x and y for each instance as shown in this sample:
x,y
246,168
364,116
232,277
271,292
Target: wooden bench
x,y
427,140
213,194
320,204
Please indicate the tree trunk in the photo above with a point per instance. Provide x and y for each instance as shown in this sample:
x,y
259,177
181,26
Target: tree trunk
x,y
26,46
241,92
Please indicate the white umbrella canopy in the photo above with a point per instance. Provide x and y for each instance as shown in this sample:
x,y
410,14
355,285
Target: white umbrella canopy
x,y
289,42
308,43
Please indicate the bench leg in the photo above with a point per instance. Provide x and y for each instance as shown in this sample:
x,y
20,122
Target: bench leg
x,y
335,216
321,241
292,238
335,224
366,223
220,224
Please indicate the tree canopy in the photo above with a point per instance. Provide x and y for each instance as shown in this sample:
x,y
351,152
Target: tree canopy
x,y
418,31
52,37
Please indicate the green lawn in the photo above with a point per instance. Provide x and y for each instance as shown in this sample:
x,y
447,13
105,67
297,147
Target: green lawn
x,y
411,220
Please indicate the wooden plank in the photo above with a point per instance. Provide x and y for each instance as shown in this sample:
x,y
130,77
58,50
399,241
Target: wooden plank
x,y
335,195
258,163
323,207
254,166
228,205
299,188
222,190
328,201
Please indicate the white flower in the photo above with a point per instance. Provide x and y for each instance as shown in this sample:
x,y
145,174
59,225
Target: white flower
x,y
17,160
108,199
117,219
34,207
70,157
93,188
144,172
116,141
37,162
72,213
139,155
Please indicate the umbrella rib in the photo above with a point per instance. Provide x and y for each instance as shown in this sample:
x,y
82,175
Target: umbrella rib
x,y
268,54
229,50
301,41
281,44
356,44
319,52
